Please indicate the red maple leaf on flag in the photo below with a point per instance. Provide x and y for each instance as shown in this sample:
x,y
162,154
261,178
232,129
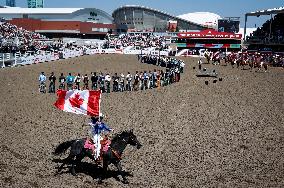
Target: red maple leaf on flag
x,y
76,101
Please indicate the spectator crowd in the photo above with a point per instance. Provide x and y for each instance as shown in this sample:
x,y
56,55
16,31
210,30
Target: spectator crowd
x,y
14,39
143,40
272,31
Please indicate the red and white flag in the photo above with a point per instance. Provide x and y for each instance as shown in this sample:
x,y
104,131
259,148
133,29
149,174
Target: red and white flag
x,y
79,102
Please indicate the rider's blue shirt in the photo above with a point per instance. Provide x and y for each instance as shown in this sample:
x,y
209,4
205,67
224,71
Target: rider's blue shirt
x,y
98,128
42,78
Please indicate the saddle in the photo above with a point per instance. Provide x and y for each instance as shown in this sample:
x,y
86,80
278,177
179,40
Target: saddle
x,y
105,143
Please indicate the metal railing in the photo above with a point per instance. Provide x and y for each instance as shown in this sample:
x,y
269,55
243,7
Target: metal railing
x,y
8,59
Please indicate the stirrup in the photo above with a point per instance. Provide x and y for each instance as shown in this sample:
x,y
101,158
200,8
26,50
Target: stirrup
x,y
98,160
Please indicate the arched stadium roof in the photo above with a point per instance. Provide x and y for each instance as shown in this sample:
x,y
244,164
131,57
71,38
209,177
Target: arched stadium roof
x,y
157,11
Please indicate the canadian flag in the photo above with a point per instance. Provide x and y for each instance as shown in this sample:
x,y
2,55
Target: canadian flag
x,y
84,102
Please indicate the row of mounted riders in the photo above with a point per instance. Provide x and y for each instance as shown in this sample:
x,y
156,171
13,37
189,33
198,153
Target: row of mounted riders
x,y
240,61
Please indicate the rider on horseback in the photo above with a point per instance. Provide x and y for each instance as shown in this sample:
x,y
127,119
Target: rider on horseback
x,y
98,127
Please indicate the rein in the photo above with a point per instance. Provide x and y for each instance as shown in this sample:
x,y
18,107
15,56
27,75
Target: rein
x,y
116,153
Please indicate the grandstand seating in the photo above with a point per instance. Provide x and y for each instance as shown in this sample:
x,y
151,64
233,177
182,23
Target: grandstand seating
x,y
263,35
13,38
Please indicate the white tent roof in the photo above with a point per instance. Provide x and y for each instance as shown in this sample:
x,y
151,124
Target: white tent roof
x,y
203,18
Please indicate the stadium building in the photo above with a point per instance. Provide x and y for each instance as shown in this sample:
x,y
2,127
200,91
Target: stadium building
x,y
61,22
139,18
95,23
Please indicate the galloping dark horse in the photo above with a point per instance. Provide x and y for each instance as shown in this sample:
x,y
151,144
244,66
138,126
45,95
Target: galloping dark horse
x,y
112,156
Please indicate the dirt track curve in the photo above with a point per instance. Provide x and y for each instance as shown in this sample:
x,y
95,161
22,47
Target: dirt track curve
x,y
227,134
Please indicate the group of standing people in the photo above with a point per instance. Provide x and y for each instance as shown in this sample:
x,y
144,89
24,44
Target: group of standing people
x,y
68,82
120,82
162,61
42,82
142,80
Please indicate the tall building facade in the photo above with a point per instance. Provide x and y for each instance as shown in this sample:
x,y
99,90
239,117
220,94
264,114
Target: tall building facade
x,y
11,3
35,3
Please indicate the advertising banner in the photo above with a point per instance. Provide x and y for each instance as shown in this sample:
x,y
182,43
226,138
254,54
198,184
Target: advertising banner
x,y
209,34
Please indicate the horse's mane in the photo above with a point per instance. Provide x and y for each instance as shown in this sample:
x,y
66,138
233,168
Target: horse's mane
x,y
118,136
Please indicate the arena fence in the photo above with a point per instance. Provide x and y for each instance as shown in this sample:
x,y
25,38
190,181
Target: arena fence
x,y
188,53
7,59
47,56
42,56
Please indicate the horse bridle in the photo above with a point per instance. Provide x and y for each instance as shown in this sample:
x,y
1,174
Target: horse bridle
x,y
116,153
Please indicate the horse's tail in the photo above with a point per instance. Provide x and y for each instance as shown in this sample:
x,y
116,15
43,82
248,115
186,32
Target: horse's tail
x,y
61,148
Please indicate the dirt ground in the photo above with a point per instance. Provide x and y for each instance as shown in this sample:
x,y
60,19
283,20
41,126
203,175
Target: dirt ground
x,y
225,134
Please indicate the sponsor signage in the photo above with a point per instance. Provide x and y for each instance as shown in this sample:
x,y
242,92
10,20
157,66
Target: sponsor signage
x,y
188,45
209,34
93,14
172,26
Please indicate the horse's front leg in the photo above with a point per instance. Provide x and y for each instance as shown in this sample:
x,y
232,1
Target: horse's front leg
x,y
75,164
64,162
103,174
122,173
72,169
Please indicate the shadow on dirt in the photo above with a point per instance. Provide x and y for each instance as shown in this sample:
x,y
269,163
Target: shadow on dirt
x,y
90,169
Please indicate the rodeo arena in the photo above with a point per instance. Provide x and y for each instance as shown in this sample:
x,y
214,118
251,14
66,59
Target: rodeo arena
x,y
140,98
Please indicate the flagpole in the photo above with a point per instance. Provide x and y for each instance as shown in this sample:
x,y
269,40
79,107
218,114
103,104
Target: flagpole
x,y
98,135
100,105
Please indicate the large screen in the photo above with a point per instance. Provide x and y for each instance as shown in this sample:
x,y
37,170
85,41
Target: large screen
x,y
231,26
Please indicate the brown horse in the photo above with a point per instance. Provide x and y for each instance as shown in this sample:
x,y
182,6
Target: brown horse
x,y
244,63
232,61
207,57
261,64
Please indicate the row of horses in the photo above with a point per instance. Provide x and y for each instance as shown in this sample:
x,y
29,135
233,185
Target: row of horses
x,y
257,62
